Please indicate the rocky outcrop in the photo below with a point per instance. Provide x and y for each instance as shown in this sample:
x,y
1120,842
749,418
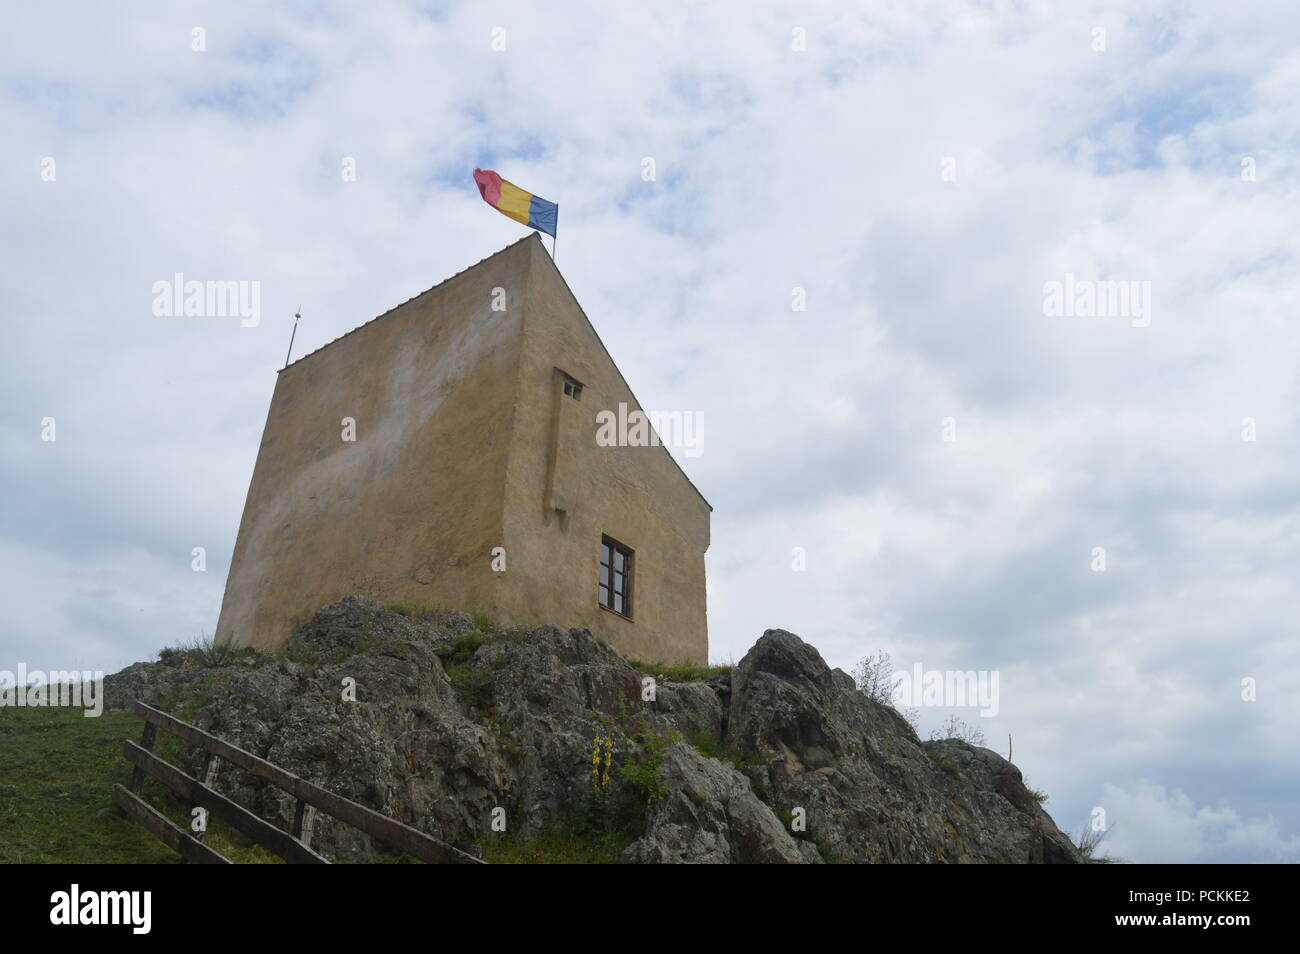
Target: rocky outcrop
x,y
869,789
450,726
712,816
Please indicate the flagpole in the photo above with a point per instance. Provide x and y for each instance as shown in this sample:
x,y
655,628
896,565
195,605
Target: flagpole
x,y
296,316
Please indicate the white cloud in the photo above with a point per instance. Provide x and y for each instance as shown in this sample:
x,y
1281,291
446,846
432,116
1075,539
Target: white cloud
x,y
1158,826
776,169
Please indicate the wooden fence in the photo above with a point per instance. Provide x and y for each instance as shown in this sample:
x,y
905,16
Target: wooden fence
x,y
295,846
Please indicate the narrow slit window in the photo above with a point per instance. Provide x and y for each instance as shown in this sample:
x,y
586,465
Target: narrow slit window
x,y
614,587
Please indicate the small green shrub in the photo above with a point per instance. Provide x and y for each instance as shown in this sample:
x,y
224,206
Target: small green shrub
x,y
474,687
461,648
204,652
642,775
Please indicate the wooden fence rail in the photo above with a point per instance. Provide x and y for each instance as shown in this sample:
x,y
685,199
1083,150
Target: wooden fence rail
x,y
295,846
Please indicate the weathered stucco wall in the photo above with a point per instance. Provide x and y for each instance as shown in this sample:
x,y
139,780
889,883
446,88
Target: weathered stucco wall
x,y
409,512
637,495
465,442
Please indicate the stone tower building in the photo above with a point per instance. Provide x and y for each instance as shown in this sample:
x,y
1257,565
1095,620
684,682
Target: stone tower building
x,y
473,409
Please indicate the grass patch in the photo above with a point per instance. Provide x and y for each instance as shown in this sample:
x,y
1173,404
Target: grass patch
x,y
474,687
683,672
206,653
186,702
56,800
414,612
558,846
460,649
712,747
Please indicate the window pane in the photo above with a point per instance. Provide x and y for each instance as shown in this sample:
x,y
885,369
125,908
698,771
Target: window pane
x,y
615,581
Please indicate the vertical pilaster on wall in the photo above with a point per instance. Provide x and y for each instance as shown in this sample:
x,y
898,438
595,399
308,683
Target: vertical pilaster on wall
x,y
567,416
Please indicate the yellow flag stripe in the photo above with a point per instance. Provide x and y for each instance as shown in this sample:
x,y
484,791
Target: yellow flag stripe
x,y
514,202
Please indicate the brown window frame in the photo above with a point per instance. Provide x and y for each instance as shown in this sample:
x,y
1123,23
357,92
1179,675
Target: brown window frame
x,y
607,591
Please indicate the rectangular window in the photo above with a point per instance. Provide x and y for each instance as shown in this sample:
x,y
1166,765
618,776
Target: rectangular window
x,y
572,386
615,583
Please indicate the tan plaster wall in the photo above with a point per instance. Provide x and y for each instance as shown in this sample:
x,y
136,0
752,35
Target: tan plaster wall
x,y
637,495
465,442
409,512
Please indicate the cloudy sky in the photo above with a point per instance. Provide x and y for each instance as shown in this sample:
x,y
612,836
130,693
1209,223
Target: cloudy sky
x,y
949,456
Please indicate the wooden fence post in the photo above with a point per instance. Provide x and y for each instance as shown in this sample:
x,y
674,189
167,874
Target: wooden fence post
x,y
303,816
209,775
209,778
310,799
146,743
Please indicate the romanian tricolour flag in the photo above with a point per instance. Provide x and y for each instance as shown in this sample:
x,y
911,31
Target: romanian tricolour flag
x,y
508,199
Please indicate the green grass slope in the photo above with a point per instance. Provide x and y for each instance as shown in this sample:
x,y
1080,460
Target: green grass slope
x,y
57,770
